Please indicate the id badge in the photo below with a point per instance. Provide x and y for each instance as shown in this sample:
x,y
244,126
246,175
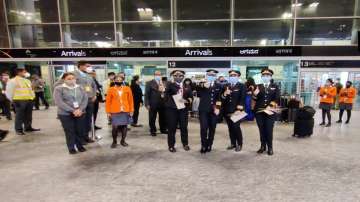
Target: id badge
x,y
76,105
87,88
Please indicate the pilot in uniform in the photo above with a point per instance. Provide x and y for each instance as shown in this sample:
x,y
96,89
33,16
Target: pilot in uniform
x,y
266,96
233,100
175,113
209,93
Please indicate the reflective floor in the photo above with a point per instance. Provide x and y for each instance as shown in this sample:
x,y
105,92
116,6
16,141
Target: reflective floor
x,y
37,167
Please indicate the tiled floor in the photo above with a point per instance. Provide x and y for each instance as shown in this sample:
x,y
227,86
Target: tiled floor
x,y
37,167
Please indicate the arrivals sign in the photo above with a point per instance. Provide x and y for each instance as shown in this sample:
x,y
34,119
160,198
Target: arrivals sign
x,y
198,52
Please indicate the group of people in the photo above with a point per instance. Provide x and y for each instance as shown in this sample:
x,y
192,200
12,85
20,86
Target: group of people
x,y
219,99
330,94
77,96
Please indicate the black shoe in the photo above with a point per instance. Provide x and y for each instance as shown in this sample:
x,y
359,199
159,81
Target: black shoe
x,y
270,152
20,133
9,118
72,151
172,149
339,121
230,147
136,125
3,134
124,144
261,150
347,121
164,132
113,145
328,125
88,140
97,128
186,147
32,130
36,109
322,124
46,107
238,148
81,149
203,150
209,148
153,134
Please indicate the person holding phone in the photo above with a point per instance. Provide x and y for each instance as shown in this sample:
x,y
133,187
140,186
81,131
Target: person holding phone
x,y
120,108
209,92
233,101
266,97
71,101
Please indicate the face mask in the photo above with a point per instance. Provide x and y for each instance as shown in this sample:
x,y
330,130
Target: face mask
x,y
178,79
89,70
111,77
210,78
118,83
27,75
70,82
348,85
266,79
157,78
233,80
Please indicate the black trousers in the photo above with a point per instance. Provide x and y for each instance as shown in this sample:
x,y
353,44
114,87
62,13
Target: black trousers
x,y
175,117
88,119
265,124
74,130
5,106
40,96
236,137
23,116
348,112
326,112
153,111
208,121
96,109
136,112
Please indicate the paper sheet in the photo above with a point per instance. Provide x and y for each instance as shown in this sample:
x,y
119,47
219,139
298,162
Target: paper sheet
x,y
179,101
237,116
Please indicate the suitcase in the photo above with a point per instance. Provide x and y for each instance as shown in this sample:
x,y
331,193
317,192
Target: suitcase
x,y
305,113
303,128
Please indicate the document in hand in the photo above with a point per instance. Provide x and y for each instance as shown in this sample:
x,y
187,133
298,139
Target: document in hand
x,y
237,116
179,101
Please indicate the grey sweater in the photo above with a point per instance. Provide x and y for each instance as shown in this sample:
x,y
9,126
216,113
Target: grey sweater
x,y
87,83
65,97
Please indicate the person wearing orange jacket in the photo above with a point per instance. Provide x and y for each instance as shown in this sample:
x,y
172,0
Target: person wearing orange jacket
x,y
327,96
120,108
346,101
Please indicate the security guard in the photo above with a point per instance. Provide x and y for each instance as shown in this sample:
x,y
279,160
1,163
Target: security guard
x,y
209,92
176,112
20,92
233,100
266,96
87,83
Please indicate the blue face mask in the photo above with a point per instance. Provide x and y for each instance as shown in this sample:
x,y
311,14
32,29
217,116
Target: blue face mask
x,y
266,79
210,78
233,80
157,78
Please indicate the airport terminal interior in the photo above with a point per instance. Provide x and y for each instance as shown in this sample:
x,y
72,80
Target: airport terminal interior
x,y
305,43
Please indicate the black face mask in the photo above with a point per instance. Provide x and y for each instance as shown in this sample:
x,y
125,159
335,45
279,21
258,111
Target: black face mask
x,y
348,85
118,83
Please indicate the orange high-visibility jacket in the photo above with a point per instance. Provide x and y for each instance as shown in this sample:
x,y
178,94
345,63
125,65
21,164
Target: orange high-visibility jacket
x,y
347,95
119,99
327,94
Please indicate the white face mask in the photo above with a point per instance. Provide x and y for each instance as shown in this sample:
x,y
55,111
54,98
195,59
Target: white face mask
x,y
89,70
27,75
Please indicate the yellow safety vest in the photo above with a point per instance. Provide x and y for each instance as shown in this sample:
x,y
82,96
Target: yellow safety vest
x,y
23,89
